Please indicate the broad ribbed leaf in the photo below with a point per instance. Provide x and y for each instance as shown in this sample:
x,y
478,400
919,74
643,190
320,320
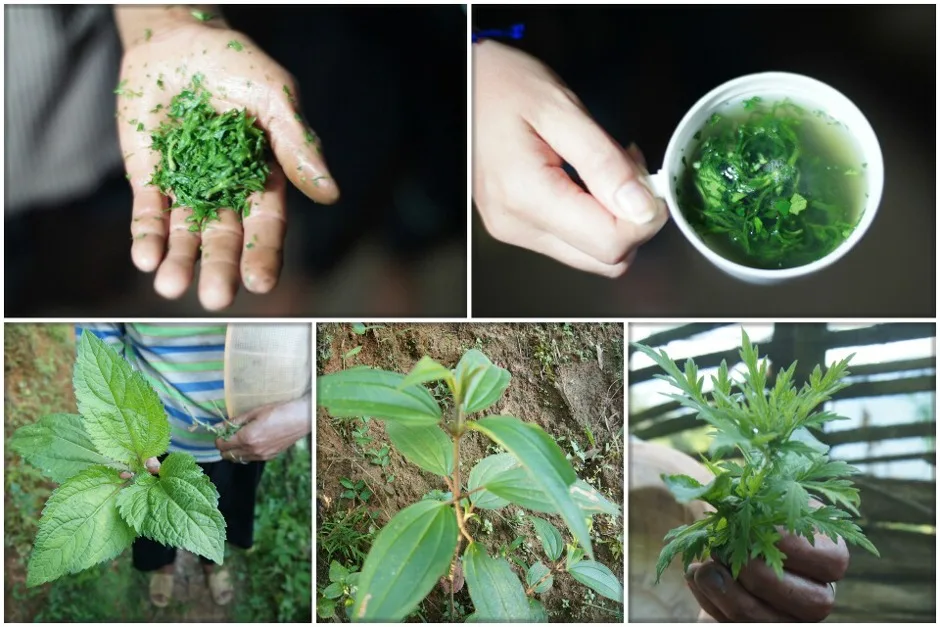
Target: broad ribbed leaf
x,y
179,509
58,446
592,501
546,464
537,612
537,578
407,558
124,417
551,538
424,446
598,578
480,382
496,592
80,526
485,471
365,391
428,370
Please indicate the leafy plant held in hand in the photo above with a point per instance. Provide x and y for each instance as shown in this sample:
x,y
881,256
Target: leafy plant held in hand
x,y
208,161
423,542
783,464
96,513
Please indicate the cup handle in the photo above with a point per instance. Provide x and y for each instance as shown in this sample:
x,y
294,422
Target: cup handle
x,y
658,184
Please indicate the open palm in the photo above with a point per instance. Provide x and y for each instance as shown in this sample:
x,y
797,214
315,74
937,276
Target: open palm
x,y
156,67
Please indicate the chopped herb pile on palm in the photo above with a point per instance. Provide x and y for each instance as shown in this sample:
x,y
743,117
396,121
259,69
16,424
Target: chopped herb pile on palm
x,y
209,161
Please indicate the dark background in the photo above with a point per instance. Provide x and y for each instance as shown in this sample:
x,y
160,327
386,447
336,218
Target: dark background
x,y
386,90
639,69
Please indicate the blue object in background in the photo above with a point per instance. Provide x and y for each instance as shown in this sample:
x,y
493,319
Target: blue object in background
x,y
515,31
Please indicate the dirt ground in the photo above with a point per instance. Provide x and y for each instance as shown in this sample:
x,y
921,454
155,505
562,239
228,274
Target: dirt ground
x,y
568,378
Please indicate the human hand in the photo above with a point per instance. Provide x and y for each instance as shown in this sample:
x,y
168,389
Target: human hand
x,y
806,593
164,47
526,125
267,432
152,465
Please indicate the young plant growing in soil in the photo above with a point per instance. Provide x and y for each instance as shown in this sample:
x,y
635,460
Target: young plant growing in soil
x,y
107,497
776,468
429,541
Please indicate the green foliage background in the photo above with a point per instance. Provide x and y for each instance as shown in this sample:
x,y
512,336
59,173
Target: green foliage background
x,y
272,581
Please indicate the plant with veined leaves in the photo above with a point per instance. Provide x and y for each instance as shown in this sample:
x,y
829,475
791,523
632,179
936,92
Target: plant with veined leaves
x,y
96,513
430,539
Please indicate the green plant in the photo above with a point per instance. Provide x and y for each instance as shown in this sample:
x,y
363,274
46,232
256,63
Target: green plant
x,y
423,542
340,591
348,534
784,464
107,497
355,490
208,161
762,187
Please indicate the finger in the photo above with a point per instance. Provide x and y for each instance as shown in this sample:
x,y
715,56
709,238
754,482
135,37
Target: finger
x,y
612,175
176,271
264,228
219,272
826,561
227,446
637,155
559,206
248,416
149,220
731,598
703,601
803,598
152,465
295,144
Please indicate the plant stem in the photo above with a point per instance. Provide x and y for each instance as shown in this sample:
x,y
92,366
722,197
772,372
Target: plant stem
x,y
531,589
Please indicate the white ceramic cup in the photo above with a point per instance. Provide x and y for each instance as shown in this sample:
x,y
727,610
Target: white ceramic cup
x,y
772,86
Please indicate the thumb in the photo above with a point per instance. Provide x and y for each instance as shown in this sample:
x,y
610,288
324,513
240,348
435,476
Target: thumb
x,y
613,176
152,465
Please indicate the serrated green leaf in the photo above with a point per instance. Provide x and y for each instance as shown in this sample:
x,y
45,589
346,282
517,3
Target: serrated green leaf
x,y
124,417
80,526
795,501
425,446
838,491
338,572
496,592
407,558
179,508
428,370
365,391
536,580
686,540
550,537
480,382
598,578
58,446
545,462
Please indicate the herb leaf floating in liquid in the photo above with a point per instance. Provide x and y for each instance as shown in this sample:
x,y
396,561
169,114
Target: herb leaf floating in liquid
x,y
766,189
209,161
782,464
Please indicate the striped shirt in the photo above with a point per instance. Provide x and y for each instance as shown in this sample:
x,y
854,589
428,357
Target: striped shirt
x,y
184,364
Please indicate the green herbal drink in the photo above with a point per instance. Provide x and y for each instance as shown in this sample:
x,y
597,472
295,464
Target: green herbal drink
x,y
771,185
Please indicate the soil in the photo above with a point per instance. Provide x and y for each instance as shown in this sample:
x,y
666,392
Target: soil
x,y
567,378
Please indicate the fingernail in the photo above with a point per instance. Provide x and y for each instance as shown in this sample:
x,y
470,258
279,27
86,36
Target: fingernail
x,y
635,203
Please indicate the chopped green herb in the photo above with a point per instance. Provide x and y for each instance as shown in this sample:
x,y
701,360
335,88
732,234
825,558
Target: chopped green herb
x,y
250,245
140,127
122,90
290,96
209,161
298,117
310,137
202,16
236,46
156,108
148,34
767,187
160,82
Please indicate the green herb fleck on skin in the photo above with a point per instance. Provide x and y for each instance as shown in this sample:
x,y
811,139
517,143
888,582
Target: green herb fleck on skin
x,y
202,16
250,245
122,90
160,82
140,127
148,34
310,137
156,109
298,117
209,161
290,96
236,46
